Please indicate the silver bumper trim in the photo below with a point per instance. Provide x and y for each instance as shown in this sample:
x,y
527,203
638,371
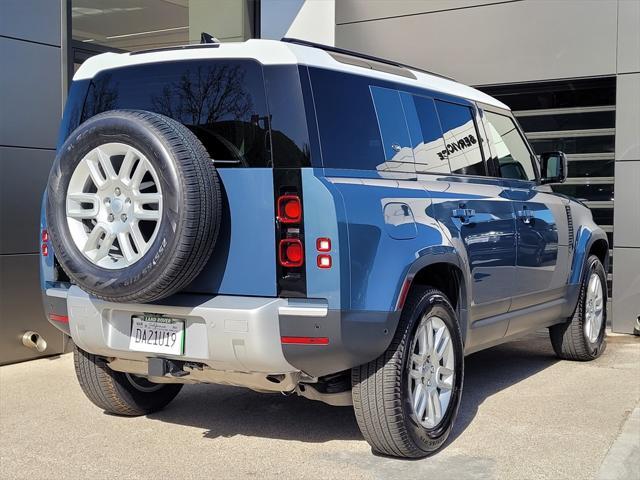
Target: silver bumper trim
x,y
228,333
304,308
57,292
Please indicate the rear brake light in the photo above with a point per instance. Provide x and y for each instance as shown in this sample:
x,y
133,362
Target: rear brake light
x,y
291,253
324,261
44,248
323,244
289,209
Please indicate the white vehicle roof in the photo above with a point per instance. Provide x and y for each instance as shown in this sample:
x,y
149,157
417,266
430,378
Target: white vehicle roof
x,y
273,52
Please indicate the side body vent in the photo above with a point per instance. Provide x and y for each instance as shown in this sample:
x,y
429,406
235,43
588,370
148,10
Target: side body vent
x,y
572,235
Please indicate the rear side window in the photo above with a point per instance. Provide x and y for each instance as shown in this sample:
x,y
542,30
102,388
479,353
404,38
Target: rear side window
x,y
396,144
222,102
426,135
461,138
347,123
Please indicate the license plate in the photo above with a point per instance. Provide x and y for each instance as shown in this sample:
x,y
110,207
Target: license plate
x,y
157,334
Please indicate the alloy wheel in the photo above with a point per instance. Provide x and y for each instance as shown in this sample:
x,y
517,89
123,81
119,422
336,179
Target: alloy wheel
x,y
114,205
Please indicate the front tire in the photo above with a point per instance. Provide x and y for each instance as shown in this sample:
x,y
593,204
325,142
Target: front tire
x,y
120,393
582,337
406,400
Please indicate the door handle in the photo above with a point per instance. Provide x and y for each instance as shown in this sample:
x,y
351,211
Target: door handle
x,y
525,215
464,214
395,147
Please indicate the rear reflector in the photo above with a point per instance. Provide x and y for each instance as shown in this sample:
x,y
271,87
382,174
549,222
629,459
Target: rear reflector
x,y
291,253
305,340
402,297
289,209
45,250
58,318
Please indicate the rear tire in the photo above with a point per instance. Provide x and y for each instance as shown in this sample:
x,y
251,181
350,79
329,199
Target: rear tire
x,y
120,393
385,390
582,337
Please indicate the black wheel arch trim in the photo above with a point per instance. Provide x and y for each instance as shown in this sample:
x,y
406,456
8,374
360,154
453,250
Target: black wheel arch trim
x,y
441,254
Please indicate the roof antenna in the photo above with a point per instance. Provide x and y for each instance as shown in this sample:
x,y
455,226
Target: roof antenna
x,y
207,38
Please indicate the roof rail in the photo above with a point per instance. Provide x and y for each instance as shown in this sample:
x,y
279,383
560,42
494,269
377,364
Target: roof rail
x,y
364,56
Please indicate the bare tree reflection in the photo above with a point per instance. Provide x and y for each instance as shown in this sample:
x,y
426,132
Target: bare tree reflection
x,y
206,96
102,96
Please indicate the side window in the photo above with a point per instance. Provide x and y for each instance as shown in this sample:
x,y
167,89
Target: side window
x,y
396,143
426,135
510,155
347,123
461,138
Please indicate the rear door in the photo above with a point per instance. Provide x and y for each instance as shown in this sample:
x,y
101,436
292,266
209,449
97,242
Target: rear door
x,y
542,226
473,207
223,102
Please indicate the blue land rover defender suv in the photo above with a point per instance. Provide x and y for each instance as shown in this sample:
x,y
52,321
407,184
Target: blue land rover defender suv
x,y
296,218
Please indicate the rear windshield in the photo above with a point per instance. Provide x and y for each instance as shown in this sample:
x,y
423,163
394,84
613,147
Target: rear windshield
x,y
222,102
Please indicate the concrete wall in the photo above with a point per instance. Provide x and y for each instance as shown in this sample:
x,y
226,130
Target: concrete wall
x,y
486,42
626,237
31,106
311,20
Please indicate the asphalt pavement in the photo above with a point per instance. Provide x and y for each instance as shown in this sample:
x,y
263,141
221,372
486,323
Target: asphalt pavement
x,y
524,415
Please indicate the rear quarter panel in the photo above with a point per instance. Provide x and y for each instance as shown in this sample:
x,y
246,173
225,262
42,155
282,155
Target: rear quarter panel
x,y
389,227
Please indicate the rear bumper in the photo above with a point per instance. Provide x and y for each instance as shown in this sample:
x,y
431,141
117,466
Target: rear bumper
x,y
233,333
226,333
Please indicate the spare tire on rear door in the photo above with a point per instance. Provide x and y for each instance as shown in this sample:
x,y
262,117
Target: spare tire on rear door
x,y
133,207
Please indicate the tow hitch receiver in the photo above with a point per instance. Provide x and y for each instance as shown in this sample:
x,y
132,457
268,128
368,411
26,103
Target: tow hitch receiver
x,y
159,367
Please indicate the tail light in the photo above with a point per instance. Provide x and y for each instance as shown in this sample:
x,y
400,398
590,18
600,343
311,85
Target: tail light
x,y
291,252
324,261
323,244
44,247
290,249
288,203
289,209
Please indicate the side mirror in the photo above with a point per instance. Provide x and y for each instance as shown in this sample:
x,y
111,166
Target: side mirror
x,y
554,167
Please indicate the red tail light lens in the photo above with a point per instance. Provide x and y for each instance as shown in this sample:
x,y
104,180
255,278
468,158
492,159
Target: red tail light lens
x,y
44,248
289,209
291,252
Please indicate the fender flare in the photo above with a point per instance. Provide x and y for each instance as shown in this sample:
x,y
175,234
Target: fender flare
x,y
585,239
433,255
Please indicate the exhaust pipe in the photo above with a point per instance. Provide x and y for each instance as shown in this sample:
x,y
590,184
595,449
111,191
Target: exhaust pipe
x,y
34,341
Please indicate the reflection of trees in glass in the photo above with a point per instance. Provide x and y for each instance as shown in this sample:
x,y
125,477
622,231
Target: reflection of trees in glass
x,y
102,96
206,96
